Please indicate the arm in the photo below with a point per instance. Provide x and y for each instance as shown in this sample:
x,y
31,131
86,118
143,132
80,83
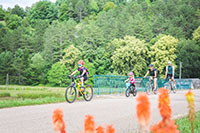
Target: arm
x,y
74,72
166,72
146,74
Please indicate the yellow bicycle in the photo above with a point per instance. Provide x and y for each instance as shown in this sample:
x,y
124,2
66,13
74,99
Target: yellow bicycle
x,y
71,90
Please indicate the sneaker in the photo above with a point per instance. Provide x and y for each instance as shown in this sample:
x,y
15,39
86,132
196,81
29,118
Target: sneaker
x,y
154,91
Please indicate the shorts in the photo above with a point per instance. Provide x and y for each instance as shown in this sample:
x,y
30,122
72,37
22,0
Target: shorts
x,y
85,77
153,78
169,76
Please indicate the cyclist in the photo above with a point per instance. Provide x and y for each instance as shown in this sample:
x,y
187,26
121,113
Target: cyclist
x,y
170,73
132,81
153,76
83,73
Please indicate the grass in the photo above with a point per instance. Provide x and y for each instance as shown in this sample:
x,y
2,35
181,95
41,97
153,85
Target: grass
x,y
184,124
4,94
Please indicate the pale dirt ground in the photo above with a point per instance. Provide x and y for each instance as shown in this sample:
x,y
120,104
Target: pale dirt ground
x,y
115,109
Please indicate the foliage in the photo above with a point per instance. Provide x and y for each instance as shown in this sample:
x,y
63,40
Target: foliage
x,y
196,35
109,5
18,11
37,95
131,57
57,75
71,57
43,10
185,126
163,51
188,53
13,21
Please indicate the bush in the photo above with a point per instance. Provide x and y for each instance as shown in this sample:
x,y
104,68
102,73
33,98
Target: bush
x,y
4,94
37,95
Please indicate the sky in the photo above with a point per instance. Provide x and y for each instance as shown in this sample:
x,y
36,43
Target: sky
x,y
21,3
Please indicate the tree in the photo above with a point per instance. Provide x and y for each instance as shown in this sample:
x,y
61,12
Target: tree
x,y
57,75
93,7
109,5
162,51
13,21
18,11
20,64
38,74
2,13
43,10
6,60
196,35
70,58
56,38
130,57
188,53
80,10
66,11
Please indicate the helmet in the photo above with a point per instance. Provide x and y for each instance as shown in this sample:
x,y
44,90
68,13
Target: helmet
x,y
130,73
169,62
151,65
81,62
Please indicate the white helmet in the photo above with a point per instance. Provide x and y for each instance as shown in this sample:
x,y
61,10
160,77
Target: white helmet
x,y
169,62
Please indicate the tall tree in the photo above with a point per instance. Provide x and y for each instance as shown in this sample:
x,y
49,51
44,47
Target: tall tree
x,y
6,60
56,38
162,51
131,57
13,21
18,11
43,10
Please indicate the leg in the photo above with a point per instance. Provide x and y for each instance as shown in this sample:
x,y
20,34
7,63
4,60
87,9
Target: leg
x,y
155,84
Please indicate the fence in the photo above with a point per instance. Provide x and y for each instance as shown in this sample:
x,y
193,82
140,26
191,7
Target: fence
x,y
108,84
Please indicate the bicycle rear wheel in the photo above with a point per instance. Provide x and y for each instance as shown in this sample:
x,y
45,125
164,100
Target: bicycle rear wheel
x,y
88,93
70,94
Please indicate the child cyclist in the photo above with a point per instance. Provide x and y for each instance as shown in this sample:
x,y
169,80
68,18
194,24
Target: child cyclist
x,y
83,73
131,81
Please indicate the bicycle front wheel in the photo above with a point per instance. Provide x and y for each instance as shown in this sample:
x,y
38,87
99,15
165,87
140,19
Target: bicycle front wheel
x,y
88,93
70,94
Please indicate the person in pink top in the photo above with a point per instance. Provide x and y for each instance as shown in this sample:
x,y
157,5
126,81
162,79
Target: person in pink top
x,y
131,81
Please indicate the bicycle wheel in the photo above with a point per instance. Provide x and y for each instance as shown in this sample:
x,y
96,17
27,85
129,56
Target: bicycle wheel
x,y
88,93
127,92
70,94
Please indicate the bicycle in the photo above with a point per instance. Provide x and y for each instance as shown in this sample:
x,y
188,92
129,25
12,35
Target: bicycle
x,y
71,90
149,86
130,90
169,86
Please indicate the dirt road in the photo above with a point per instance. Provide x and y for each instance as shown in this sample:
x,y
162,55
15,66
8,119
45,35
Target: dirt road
x,y
116,109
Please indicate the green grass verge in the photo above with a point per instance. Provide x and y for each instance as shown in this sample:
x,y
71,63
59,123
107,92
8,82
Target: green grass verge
x,y
4,94
23,102
184,124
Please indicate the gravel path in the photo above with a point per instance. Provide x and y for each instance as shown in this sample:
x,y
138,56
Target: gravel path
x,y
116,109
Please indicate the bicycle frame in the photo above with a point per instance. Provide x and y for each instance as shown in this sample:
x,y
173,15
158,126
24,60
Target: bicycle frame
x,y
76,83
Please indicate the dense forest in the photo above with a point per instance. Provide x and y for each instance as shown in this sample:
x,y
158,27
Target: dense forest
x,y
42,43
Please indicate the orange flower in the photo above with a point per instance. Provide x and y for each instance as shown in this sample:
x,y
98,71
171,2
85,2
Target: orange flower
x,y
99,129
164,104
143,109
166,125
89,124
58,123
110,129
